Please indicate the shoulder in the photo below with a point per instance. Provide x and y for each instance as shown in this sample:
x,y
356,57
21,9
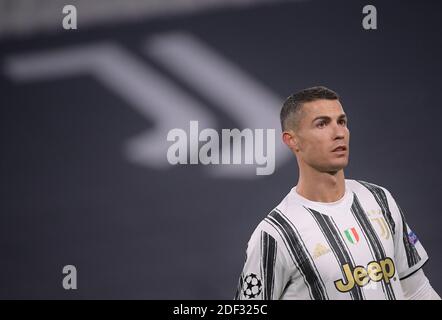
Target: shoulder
x,y
267,224
274,227
380,194
266,235
265,228
358,186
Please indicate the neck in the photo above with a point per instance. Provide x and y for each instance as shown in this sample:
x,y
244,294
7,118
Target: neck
x,y
321,186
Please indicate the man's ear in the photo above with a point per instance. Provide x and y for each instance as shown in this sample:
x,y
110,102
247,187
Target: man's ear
x,y
290,139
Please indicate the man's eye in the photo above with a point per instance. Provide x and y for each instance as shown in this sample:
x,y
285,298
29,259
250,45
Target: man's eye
x,y
321,124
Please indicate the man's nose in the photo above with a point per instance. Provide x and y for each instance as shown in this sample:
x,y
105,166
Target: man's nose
x,y
339,131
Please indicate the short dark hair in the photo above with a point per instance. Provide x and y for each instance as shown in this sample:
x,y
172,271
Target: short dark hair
x,y
291,109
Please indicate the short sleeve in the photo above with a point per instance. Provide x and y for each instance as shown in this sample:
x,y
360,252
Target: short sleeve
x,y
410,255
265,273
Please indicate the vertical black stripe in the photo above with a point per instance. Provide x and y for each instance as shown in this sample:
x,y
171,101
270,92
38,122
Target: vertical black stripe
x,y
337,244
370,248
413,256
300,255
373,240
261,271
268,254
239,288
381,199
240,282
274,224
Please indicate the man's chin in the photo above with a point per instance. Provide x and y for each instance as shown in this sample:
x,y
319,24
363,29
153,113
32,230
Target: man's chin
x,y
336,167
331,167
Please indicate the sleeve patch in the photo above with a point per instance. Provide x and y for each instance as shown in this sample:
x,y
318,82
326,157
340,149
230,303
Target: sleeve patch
x,y
412,238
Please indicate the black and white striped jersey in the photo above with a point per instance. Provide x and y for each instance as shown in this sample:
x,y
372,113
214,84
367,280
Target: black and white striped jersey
x,y
358,247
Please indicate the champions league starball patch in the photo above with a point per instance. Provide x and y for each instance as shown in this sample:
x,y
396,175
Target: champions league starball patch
x,y
412,238
252,286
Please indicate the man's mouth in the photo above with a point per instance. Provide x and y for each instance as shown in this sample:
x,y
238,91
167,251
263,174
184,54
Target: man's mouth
x,y
340,148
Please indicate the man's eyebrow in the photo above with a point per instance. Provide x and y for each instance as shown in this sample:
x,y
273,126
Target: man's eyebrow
x,y
341,116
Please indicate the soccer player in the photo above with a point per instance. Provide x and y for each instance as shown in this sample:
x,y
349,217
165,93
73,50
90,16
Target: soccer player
x,y
331,237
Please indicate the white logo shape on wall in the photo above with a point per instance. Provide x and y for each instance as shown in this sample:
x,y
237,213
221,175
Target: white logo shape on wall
x,y
157,98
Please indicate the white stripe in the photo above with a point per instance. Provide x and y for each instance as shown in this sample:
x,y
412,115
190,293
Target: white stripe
x,y
147,92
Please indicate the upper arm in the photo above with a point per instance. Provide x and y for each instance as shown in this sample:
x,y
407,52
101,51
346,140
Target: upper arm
x,y
266,271
410,255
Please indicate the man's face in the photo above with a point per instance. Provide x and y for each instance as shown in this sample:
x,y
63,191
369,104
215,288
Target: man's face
x,y
322,128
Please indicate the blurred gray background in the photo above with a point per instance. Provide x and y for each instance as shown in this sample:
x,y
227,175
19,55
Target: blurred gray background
x,y
85,114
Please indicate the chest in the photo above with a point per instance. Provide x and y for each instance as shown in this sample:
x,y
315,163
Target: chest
x,y
349,249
